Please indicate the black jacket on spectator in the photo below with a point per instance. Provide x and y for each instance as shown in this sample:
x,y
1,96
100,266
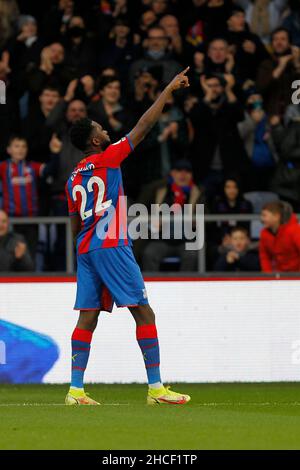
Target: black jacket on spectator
x,y
247,64
60,78
286,180
215,19
217,128
80,59
248,261
22,55
37,134
120,58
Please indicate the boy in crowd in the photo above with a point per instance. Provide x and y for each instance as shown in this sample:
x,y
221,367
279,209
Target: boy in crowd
x,y
240,256
19,179
279,246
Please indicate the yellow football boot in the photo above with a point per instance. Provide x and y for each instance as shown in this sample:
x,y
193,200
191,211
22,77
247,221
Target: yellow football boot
x,y
166,396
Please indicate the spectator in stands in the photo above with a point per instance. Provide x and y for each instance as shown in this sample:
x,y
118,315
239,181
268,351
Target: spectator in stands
x,y
214,14
147,20
192,26
120,52
219,58
159,7
14,254
109,111
230,201
19,180
263,16
57,19
286,180
52,70
247,47
146,86
80,56
256,133
178,189
26,48
9,12
171,26
35,129
156,54
38,135
279,246
276,74
239,255
215,120
292,22
167,141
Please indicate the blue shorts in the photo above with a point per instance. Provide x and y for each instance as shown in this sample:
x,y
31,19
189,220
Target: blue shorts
x,y
109,275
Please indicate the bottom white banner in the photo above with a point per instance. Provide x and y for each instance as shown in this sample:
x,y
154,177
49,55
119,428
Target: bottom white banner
x,y
209,332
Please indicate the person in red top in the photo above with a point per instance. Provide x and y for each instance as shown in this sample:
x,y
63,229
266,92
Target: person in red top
x,y
279,246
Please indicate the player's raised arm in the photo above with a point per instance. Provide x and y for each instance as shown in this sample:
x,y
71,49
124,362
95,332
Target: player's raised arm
x,y
151,116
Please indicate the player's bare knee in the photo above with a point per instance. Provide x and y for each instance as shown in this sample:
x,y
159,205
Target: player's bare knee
x,y
143,315
88,320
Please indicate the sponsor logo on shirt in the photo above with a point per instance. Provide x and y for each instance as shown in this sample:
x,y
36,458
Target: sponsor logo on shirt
x,y
21,180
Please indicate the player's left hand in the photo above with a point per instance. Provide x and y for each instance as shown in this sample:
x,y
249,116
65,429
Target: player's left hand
x,y
180,81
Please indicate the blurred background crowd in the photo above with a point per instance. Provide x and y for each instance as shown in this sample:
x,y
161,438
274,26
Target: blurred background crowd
x,y
231,141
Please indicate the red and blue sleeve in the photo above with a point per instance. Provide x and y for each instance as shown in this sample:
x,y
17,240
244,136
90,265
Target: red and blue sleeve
x,y
72,207
116,153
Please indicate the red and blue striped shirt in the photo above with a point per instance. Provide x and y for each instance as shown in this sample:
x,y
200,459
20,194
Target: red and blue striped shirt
x,y
95,192
19,186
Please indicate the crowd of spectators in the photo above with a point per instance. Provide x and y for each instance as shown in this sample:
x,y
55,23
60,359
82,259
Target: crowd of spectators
x,y
234,131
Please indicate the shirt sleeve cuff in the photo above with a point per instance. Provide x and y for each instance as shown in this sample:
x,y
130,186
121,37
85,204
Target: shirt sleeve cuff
x,y
130,142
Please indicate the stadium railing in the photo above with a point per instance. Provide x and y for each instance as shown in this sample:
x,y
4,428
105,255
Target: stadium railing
x,y
70,258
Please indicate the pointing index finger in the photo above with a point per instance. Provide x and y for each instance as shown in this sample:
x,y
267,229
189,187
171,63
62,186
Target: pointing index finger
x,y
185,71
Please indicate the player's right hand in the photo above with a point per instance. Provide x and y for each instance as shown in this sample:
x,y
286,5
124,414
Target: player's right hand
x,y
180,81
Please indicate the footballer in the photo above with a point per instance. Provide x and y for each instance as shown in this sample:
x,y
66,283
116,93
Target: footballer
x,y
107,270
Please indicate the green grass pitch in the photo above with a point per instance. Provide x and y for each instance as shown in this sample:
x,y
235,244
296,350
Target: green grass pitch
x,y
220,416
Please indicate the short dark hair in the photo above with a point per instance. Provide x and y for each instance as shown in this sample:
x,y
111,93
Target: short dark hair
x,y
281,29
276,207
16,137
106,80
51,88
80,133
240,229
217,76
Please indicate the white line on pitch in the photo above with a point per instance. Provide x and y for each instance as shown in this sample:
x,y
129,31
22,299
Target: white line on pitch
x,y
212,404
56,404
250,404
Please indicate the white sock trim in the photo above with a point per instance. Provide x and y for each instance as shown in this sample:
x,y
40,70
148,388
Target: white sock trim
x,y
156,385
